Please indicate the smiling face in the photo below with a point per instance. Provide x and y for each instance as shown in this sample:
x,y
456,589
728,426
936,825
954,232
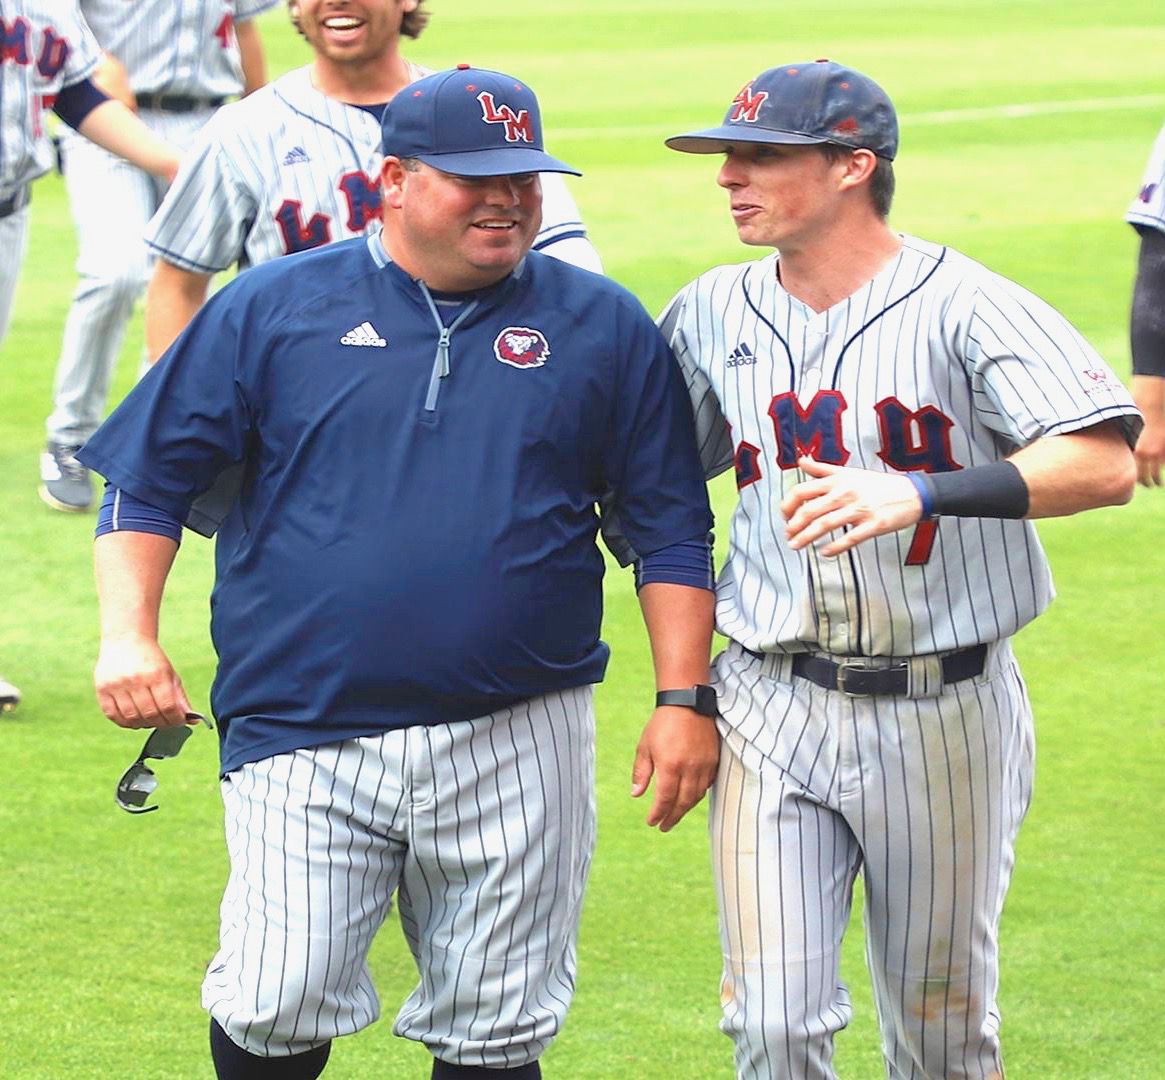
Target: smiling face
x,y
782,196
350,31
458,233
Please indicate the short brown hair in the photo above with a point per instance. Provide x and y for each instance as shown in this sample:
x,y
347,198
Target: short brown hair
x,y
881,182
411,24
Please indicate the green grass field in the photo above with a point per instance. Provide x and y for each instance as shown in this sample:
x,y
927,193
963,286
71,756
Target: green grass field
x,y
107,920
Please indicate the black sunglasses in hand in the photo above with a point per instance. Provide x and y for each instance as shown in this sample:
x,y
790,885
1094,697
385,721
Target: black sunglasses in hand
x,y
139,780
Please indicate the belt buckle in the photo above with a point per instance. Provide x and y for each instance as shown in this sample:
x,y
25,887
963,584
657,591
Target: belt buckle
x,y
844,669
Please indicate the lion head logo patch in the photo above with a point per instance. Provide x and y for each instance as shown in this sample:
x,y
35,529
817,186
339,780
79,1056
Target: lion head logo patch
x,y
521,347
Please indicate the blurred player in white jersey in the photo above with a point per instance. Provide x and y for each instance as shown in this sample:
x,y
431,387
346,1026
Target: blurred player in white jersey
x,y
895,413
295,166
1147,216
173,64
47,53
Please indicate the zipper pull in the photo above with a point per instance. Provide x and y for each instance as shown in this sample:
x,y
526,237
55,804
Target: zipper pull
x,y
443,352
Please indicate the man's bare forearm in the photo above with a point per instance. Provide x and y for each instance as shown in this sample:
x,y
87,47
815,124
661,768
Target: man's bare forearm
x,y
172,300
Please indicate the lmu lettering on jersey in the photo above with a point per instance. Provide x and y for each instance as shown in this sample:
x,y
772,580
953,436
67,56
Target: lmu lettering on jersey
x,y
912,440
16,47
360,193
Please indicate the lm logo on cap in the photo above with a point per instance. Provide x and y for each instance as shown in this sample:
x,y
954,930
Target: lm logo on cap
x,y
746,105
518,125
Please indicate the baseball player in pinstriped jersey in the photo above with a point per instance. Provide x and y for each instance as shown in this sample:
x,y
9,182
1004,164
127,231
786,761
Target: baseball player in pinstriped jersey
x,y
408,595
181,60
1147,324
295,166
48,52
894,412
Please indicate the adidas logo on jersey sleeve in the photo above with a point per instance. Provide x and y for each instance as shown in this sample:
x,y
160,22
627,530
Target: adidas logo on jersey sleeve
x,y
364,334
740,356
297,155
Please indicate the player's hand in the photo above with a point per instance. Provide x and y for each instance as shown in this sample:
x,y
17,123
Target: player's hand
x,y
1150,450
865,502
681,749
137,686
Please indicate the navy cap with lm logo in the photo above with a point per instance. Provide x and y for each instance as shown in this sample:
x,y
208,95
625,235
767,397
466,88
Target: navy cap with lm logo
x,y
469,122
802,105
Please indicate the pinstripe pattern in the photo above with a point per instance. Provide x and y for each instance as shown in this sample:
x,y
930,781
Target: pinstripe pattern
x,y
1001,365
484,829
111,203
924,797
1148,207
25,151
288,153
13,241
187,47
935,363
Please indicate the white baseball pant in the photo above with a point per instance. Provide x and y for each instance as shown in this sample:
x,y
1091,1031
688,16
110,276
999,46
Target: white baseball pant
x,y
483,828
922,796
13,242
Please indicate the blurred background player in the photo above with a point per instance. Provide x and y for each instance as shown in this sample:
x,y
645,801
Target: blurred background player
x,y
47,52
295,166
173,64
1147,323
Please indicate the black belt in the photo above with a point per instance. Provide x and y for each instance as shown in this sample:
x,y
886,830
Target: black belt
x,y
179,103
855,676
19,201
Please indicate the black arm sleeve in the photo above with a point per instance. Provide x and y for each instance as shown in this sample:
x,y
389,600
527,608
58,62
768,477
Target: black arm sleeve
x,y
76,102
1147,325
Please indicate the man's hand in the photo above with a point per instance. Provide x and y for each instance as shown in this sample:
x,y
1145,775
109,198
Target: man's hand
x,y
1149,395
868,503
681,748
1150,452
137,687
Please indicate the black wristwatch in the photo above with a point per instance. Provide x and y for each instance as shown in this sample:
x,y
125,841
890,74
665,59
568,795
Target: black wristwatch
x,y
702,698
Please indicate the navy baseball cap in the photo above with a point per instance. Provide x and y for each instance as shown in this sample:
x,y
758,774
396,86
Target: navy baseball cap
x,y
469,122
800,105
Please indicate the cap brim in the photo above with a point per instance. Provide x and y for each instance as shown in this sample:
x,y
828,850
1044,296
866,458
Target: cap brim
x,y
507,161
716,140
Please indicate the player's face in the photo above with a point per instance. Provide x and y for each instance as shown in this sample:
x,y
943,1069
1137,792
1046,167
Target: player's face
x,y
781,196
459,233
351,31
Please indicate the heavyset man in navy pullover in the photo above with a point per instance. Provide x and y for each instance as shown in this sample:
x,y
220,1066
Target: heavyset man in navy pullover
x,y
408,594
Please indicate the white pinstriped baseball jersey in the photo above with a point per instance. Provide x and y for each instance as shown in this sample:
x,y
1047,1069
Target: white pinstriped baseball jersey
x,y
960,367
44,46
1148,208
176,48
288,169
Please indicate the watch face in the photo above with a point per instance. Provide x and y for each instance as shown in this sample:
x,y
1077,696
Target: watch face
x,y
706,700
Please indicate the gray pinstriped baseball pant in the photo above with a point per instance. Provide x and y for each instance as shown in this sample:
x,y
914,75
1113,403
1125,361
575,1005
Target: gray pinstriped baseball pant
x,y
923,797
483,829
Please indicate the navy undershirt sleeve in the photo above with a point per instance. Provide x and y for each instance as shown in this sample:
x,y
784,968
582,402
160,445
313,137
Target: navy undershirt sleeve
x,y
1148,317
122,512
76,102
688,562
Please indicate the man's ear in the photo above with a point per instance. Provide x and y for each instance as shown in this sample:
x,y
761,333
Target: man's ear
x,y
859,167
393,177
